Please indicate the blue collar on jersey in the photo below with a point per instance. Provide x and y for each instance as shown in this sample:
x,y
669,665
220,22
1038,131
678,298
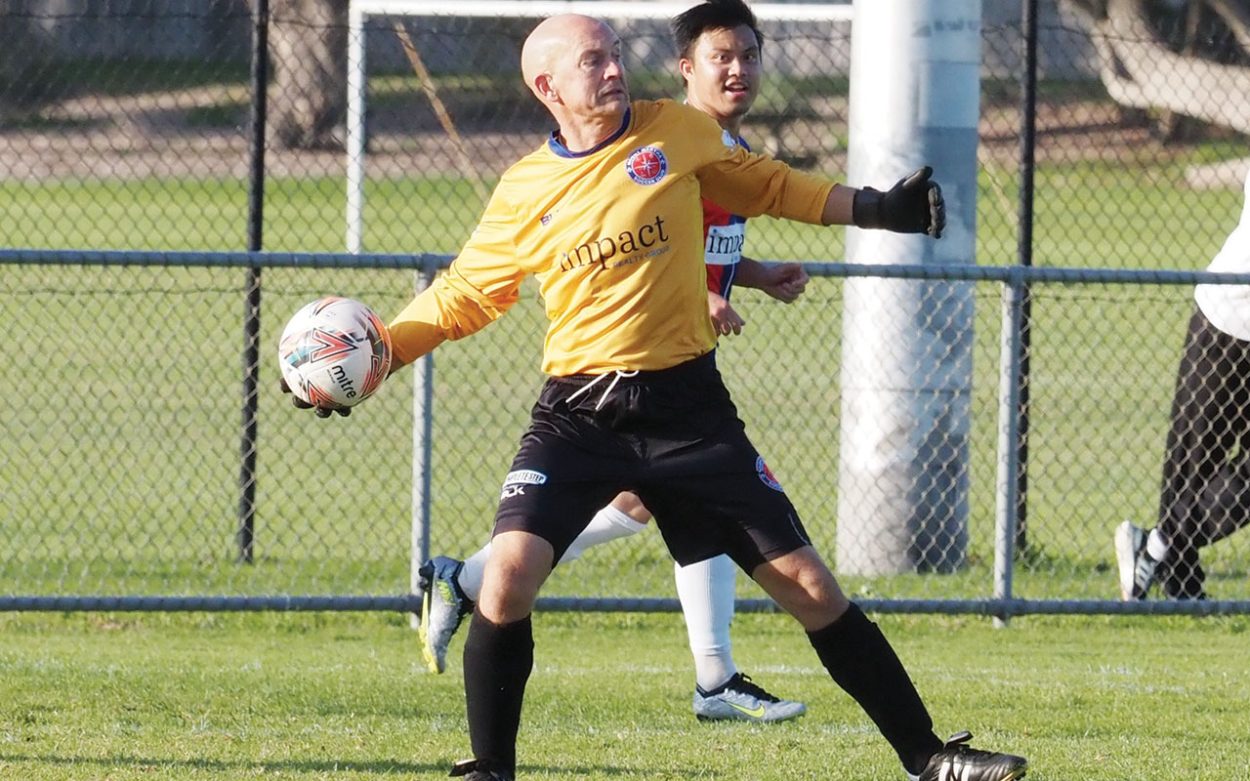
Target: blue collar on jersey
x,y
560,149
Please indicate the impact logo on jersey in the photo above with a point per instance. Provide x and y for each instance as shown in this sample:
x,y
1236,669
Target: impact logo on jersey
x,y
646,165
766,475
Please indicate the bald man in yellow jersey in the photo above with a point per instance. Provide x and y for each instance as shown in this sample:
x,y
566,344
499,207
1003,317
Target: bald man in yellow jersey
x,y
606,215
719,47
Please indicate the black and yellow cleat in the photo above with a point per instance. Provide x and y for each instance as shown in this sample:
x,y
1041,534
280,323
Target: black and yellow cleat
x,y
443,606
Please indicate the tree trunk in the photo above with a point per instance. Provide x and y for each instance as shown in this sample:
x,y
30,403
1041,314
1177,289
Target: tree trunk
x,y
1140,71
23,61
308,92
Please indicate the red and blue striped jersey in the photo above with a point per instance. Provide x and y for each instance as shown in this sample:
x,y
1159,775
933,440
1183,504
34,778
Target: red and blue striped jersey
x,y
724,233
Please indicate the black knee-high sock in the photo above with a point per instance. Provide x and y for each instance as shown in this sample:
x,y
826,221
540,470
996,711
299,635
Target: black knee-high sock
x,y
497,663
861,661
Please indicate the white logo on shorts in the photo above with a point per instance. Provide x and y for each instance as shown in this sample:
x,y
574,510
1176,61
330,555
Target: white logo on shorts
x,y
514,484
525,477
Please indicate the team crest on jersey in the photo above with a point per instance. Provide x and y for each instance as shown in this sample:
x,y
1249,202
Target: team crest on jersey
x,y
646,165
766,475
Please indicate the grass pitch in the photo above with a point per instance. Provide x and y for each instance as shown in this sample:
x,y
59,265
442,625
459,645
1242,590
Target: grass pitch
x,y
344,697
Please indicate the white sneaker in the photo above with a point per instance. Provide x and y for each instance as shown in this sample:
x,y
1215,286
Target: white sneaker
x,y
1136,567
741,699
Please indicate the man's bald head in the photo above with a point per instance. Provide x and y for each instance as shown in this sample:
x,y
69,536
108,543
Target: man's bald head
x,y
572,64
556,35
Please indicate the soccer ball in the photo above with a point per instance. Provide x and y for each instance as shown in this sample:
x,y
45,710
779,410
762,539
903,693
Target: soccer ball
x,y
334,352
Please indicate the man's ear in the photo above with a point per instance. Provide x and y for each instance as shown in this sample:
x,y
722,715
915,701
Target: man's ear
x,y
545,89
686,68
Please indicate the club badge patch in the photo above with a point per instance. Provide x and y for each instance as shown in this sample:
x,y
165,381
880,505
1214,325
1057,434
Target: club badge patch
x,y
766,475
646,165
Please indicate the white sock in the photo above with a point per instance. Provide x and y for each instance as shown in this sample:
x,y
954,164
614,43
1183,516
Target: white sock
x,y
706,591
1156,546
607,525
470,577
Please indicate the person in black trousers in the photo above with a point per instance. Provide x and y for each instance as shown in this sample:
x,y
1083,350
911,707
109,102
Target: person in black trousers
x,y
1205,495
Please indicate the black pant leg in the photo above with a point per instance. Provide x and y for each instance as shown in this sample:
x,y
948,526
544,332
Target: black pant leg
x,y
1198,436
1206,473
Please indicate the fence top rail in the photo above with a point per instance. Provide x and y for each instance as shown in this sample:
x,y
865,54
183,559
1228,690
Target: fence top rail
x,y
431,262
40,257
599,8
409,603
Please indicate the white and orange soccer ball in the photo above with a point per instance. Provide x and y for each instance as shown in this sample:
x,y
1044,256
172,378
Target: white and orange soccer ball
x,y
334,352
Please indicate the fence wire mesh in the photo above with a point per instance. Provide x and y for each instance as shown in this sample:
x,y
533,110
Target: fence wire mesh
x,y
127,126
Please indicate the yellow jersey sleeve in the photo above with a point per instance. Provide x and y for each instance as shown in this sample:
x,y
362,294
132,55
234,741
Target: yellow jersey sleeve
x,y
480,285
750,184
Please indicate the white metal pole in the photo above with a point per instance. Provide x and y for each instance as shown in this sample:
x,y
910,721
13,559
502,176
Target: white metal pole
x,y
1008,477
907,344
422,443
355,126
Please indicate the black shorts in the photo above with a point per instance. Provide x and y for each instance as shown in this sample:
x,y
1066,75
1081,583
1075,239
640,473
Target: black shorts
x,y
674,438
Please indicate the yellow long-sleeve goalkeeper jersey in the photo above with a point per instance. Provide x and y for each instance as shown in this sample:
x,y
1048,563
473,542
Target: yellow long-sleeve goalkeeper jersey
x,y
614,237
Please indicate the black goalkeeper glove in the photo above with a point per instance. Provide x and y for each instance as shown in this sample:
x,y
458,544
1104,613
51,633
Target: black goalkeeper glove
x,y
914,205
321,412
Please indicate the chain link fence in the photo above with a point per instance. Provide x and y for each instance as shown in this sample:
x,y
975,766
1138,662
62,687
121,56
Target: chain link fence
x,y
131,189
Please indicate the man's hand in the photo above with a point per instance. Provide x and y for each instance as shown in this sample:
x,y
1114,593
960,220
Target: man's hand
x,y
724,319
914,205
321,412
784,281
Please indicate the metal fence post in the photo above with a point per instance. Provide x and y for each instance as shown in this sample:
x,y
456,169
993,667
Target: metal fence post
x,y
245,526
422,438
1008,476
356,144
1024,248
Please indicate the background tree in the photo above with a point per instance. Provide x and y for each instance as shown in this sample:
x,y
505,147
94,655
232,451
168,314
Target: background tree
x,y
1175,57
308,90
23,59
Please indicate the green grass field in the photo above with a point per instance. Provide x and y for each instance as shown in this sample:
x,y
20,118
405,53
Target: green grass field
x,y
109,488
343,698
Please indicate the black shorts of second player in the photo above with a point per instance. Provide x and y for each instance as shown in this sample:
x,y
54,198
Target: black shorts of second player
x,y
674,438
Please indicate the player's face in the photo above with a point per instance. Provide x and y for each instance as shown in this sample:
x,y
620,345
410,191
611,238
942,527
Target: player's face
x,y
723,72
590,77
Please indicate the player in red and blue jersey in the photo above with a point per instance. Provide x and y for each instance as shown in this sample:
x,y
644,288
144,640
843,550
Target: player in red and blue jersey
x,y
724,233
